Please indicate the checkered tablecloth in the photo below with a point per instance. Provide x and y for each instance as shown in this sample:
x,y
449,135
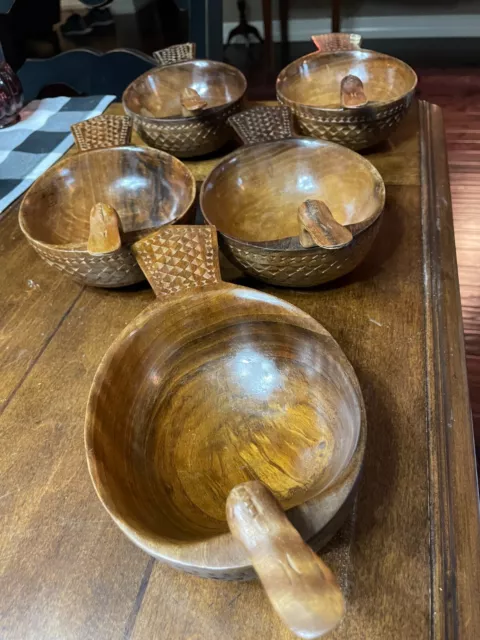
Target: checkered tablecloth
x,y
29,147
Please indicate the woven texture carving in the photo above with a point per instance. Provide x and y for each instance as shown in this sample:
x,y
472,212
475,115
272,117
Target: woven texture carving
x,y
305,268
102,131
357,129
263,124
117,269
189,137
174,54
337,41
179,257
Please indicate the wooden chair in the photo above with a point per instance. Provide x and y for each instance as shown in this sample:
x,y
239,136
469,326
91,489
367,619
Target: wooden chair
x,y
86,71
283,9
205,26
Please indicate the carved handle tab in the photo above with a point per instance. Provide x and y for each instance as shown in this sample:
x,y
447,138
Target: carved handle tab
x,y
191,102
337,42
102,131
352,93
178,257
319,228
301,588
176,53
262,124
104,234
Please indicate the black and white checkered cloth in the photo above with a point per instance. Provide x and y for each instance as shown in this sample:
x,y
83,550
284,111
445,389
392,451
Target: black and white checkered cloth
x,y
29,147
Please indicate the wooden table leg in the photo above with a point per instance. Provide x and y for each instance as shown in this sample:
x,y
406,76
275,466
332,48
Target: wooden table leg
x,y
206,27
283,8
336,16
267,29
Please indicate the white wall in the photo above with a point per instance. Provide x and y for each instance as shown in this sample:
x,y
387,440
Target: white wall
x,y
370,18
318,8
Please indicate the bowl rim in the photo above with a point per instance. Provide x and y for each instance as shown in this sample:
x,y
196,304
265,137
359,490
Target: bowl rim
x,y
65,160
183,119
355,228
163,548
281,80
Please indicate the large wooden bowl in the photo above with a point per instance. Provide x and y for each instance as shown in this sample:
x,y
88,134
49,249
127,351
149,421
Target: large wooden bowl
x,y
253,198
346,94
214,386
183,105
147,188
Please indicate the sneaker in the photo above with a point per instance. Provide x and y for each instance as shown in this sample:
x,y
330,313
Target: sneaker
x,y
99,18
75,25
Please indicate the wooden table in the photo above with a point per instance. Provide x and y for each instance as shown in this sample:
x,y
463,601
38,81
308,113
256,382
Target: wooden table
x,y
409,558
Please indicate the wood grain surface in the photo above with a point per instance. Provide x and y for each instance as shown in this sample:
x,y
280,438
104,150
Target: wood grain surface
x,y
147,188
313,88
301,588
408,559
155,101
253,198
457,92
231,385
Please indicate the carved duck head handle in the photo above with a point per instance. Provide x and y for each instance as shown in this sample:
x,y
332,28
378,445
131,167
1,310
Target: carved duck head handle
x,y
301,588
104,236
319,228
352,93
192,103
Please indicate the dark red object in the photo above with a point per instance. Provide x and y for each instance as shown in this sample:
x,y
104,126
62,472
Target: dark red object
x,y
11,95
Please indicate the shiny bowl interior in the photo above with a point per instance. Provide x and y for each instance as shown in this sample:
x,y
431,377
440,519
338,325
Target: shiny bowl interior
x,y
158,91
223,386
147,188
254,194
314,80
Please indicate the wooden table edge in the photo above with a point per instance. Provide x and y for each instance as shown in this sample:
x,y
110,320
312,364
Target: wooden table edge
x,y
453,490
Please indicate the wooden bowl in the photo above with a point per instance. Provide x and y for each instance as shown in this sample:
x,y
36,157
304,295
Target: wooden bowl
x,y
147,189
183,105
254,198
225,385
346,94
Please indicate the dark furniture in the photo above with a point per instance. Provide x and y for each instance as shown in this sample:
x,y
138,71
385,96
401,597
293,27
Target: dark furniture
x,y
24,19
86,71
205,26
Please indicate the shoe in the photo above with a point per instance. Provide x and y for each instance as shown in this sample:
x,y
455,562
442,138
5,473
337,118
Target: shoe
x,y
99,18
75,25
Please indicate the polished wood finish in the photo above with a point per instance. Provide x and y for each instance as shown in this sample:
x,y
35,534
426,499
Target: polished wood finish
x,y
231,385
191,102
336,41
319,227
68,572
147,188
102,131
458,93
301,588
455,519
154,101
311,88
104,235
352,93
253,196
